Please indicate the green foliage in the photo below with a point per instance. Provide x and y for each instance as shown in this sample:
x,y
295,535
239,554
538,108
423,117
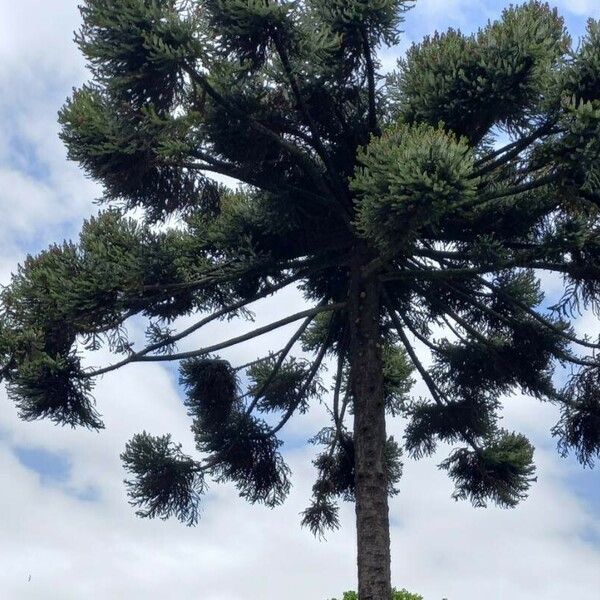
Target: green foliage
x,y
498,76
336,479
579,426
431,422
291,385
397,378
431,173
247,27
378,20
580,79
396,595
134,152
136,48
521,358
501,471
243,449
576,152
166,482
212,390
53,388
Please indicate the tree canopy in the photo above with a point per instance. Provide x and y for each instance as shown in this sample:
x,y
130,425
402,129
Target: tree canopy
x,y
431,203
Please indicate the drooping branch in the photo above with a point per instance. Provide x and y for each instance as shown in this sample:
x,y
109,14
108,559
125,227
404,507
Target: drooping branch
x,y
437,394
448,323
263,266
5,369
425,272
309,379
277,366
422,338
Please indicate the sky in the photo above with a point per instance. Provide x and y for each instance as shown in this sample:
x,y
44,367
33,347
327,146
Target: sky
x,y
66,530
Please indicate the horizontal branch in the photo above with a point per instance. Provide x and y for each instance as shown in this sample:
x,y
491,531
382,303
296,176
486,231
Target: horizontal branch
x,y
532,313
519,189
556,267
561,356
136,358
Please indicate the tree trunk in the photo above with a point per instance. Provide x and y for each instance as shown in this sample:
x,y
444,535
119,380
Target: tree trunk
x,y
366,376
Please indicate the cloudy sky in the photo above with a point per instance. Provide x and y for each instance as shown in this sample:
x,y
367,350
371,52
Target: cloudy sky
x,y
66,530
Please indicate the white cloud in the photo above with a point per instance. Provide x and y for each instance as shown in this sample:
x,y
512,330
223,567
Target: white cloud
x,y
440,547
41,195
75,549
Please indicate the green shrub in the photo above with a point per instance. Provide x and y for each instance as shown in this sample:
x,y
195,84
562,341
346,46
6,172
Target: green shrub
x,y
397,595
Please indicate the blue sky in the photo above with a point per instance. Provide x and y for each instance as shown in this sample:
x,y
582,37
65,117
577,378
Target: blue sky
x,y
65,519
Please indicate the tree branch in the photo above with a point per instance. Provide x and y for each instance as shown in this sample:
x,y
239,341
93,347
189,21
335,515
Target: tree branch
x,y
277,366
257,361
423,339
316,138
510,151
519,189
564,356
269,289
435,392
311,375
138,357
294,151
373,125
231,170
336,392
532,313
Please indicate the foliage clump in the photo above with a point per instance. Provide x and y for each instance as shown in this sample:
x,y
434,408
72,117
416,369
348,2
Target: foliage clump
x,y
432,175
396,595
165,481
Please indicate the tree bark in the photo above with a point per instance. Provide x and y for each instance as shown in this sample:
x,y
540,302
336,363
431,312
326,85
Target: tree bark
x,y
366,379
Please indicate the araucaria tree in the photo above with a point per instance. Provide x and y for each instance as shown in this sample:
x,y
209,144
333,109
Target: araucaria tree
x,y
420,209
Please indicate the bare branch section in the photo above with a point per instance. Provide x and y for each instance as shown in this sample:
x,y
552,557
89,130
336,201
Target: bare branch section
x,y
136,358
